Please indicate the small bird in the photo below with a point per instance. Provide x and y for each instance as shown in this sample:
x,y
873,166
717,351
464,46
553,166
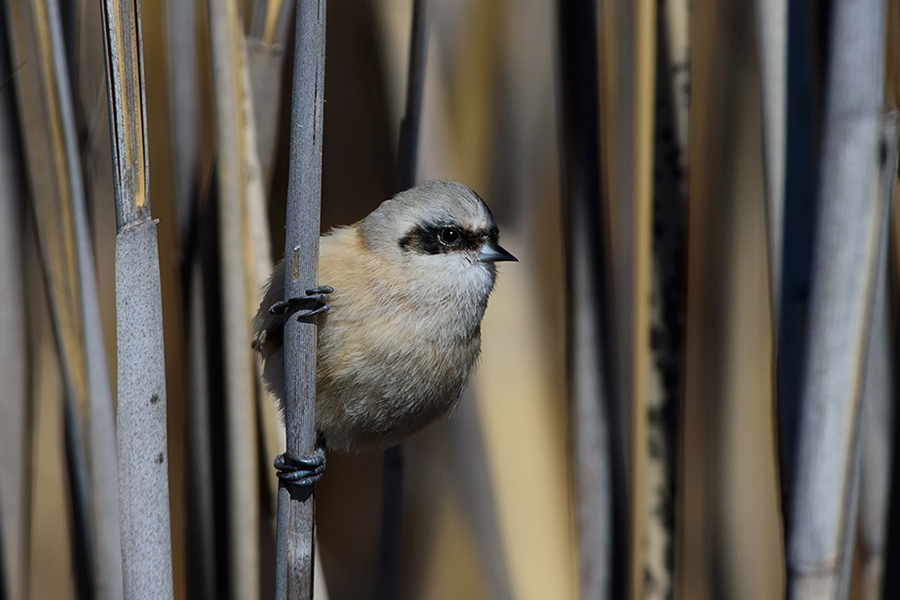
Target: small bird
x,y
395,349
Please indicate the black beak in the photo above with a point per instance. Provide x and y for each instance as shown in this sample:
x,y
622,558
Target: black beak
x,y
492,252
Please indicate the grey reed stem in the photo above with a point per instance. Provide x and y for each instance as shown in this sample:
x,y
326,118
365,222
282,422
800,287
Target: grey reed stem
x,y
295,540
847,240
141,417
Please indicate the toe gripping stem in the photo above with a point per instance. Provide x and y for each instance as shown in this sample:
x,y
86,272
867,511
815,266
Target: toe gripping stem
x,y
312,304
298,472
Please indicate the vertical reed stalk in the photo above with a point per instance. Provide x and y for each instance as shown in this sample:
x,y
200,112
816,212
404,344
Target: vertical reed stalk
x,y
262,79
181,22
184,101
16,424
848,231
408,153
141,418
600,496
201,550
228,59
54,163
877,397
470,460
296,512
265,58
667,311
806,45
772,44
646,33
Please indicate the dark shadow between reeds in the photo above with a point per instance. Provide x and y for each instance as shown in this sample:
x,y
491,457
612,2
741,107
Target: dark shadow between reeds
x,y
598,461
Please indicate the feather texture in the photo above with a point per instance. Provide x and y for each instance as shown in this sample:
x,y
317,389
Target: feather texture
x,y
404,329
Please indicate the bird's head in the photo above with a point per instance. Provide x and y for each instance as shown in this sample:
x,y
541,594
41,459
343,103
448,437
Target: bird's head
x,y
441,227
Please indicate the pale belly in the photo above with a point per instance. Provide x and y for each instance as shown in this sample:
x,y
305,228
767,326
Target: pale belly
x,y
378,389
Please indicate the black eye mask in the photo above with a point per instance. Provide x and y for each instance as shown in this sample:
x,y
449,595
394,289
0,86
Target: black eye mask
x,y
442,239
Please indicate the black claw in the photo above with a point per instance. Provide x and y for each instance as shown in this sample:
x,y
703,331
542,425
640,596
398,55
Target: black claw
x,y
322,289
312,304
297,472
317,311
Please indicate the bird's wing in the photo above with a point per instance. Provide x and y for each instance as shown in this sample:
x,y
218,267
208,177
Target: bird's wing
x,y
268,329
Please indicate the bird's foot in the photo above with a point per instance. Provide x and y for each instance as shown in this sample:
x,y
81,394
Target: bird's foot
x,y
296,472
312,304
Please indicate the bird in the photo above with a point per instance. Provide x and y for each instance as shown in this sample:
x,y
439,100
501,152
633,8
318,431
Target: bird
x,y
401,330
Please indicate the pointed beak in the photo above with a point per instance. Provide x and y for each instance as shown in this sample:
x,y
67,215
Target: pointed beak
x,y
492,252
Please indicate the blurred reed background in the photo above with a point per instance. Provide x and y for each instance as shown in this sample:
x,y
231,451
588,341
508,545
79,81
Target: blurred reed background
x,y
686,385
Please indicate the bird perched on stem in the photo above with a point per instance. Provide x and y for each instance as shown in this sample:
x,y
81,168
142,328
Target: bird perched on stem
x,y
403,330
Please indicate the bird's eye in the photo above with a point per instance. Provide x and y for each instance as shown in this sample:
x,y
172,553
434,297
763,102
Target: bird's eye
x,y
448,236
